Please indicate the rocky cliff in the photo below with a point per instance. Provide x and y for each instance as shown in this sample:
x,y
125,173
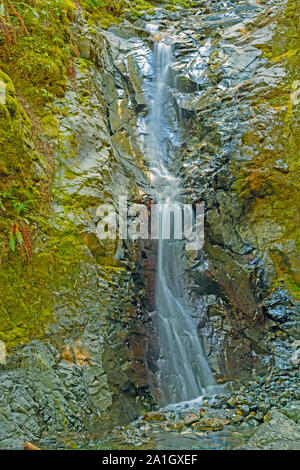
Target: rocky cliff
x,y
75,309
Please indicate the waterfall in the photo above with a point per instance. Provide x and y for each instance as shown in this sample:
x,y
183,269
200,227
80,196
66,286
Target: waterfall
x,y
183,371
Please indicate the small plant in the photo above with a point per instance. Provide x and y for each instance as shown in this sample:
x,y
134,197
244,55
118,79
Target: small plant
x,y
19,237
17,224
7,11
15,236
115,7
3,196
96,3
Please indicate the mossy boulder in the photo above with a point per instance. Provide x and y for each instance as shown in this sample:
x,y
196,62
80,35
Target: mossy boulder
x,y
155,417
209,424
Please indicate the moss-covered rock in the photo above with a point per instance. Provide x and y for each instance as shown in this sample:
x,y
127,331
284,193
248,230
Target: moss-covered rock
x,y
209,424
269,184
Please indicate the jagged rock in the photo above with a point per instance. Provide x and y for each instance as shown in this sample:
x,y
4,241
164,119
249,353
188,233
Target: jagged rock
x,y
93,351
292,410
154,417
232,402
209,424
278,433
190,419
176,426
243,410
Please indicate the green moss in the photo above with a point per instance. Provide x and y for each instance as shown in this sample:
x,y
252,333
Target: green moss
x,y
38,61
27,288
38,55
38,58
268,190
293,285
18,156
107,13
172,4
27,285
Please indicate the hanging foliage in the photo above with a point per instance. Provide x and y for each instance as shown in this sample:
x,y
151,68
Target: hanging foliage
x,y
8,28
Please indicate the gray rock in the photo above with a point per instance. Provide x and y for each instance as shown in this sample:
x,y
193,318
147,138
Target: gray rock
x,y
279,433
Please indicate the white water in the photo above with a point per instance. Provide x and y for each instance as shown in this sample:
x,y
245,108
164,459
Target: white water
x,y
183,371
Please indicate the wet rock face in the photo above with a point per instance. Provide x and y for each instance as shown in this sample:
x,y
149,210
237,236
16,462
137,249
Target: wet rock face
x,y
89,371
262,415
220,73
91,366
278,432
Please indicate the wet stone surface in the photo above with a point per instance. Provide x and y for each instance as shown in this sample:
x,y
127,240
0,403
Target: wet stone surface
x,y
90,368
253,417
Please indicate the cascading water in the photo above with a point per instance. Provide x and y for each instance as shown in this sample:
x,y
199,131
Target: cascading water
x,y
183,371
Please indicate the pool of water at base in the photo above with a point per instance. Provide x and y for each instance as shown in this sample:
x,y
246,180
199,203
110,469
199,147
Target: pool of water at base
x,y
156,439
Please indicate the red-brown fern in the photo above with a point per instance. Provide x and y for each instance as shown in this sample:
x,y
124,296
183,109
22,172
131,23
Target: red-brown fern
x,y
26,240
9,30
13,229
17,14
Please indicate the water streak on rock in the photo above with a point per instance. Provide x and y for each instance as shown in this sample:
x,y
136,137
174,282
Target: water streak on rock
x,y
183,371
